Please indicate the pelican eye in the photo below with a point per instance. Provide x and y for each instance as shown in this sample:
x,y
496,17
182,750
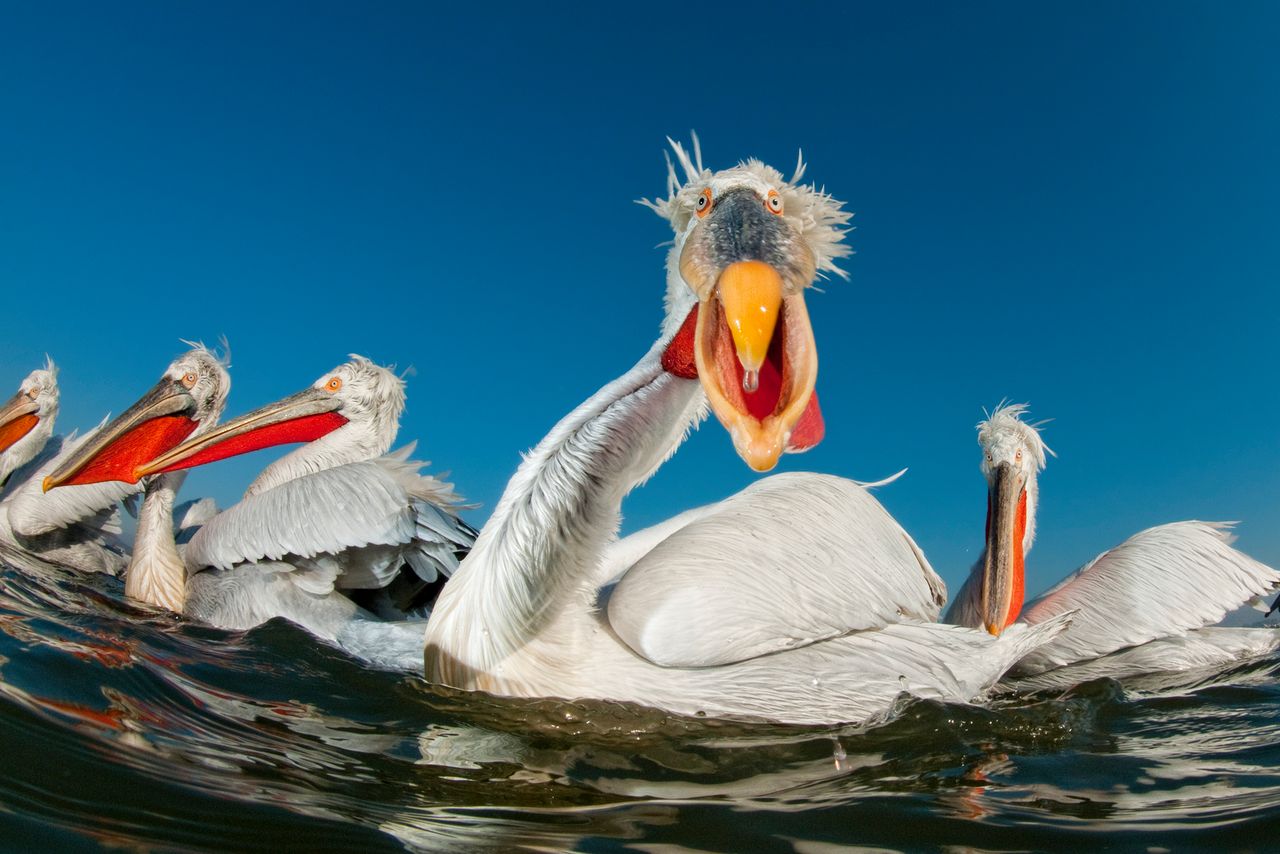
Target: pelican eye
x,y
1018,456
773,202
333,384
189,379
704,202
33,392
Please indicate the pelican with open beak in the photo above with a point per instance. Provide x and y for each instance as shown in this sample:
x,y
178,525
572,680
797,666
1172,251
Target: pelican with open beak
x,y
748,262
799,599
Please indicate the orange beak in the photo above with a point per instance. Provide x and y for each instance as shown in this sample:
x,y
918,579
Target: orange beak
x,y
756,358
17,419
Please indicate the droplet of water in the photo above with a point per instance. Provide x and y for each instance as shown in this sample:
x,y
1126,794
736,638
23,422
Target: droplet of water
x,y
841,759
750,381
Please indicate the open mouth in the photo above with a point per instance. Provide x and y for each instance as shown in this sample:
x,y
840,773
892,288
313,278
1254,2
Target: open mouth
x,y
758,393
758,363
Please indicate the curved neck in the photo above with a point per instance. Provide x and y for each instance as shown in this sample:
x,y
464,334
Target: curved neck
x,y
156,573
541,549
351,443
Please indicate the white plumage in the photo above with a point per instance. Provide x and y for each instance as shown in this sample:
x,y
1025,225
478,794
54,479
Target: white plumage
x,y
1165,583
1161,582
754,615
77,528
316,527
340,507
377,514
1199,649
775,584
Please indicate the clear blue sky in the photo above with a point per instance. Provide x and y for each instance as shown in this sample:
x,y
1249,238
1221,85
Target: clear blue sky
x,y
1076,206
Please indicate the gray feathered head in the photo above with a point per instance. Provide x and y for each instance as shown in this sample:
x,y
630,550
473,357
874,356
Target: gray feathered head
x,y
818,218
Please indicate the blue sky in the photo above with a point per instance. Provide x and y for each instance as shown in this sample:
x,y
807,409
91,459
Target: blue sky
x,y
1073,206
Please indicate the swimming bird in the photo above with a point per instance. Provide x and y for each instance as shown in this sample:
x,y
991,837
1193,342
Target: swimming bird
x,y
188,398
340,507
315,526
27,419
78,530
1162,585
799,599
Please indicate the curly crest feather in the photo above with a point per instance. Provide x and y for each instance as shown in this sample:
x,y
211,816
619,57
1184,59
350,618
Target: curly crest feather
x,y
1006,419
820,218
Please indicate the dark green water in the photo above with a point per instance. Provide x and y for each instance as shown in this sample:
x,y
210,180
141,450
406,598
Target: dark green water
x,y
124,728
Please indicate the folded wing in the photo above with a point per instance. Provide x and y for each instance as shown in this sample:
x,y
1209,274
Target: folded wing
x,y
361,522
1164,581
34,513
791,560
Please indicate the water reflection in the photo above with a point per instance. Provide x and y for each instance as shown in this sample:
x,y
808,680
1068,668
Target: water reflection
x,y
131,727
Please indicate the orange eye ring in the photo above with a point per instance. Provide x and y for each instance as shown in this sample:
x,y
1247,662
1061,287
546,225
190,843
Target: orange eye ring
x,y
704,202
334,384
33,393
1018,456
189,379
773,203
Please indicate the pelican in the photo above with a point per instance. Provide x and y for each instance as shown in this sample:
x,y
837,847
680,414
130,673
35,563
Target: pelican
x,y
340,507
27,419
1142,605
334,517
77,530
798,600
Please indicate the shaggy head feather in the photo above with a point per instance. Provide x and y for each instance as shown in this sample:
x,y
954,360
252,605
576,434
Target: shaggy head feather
x,y
372,401
820,218
1004,430
212,385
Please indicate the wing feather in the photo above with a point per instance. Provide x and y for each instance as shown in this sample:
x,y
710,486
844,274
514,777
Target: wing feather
x,y
1211,647
1161,582
369,518
34,513
792,559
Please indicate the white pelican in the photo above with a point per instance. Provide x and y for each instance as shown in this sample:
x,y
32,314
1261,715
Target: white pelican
x,y
751,607
26,421
76,530
1154,592
317,525
188,398
340,507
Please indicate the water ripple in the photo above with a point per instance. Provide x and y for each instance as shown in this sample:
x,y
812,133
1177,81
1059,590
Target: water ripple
x,y
128,727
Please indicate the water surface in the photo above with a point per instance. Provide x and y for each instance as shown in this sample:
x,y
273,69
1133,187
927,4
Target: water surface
x,y
125,727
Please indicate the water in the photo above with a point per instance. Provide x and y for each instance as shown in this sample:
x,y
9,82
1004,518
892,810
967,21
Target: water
x,y
125,727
